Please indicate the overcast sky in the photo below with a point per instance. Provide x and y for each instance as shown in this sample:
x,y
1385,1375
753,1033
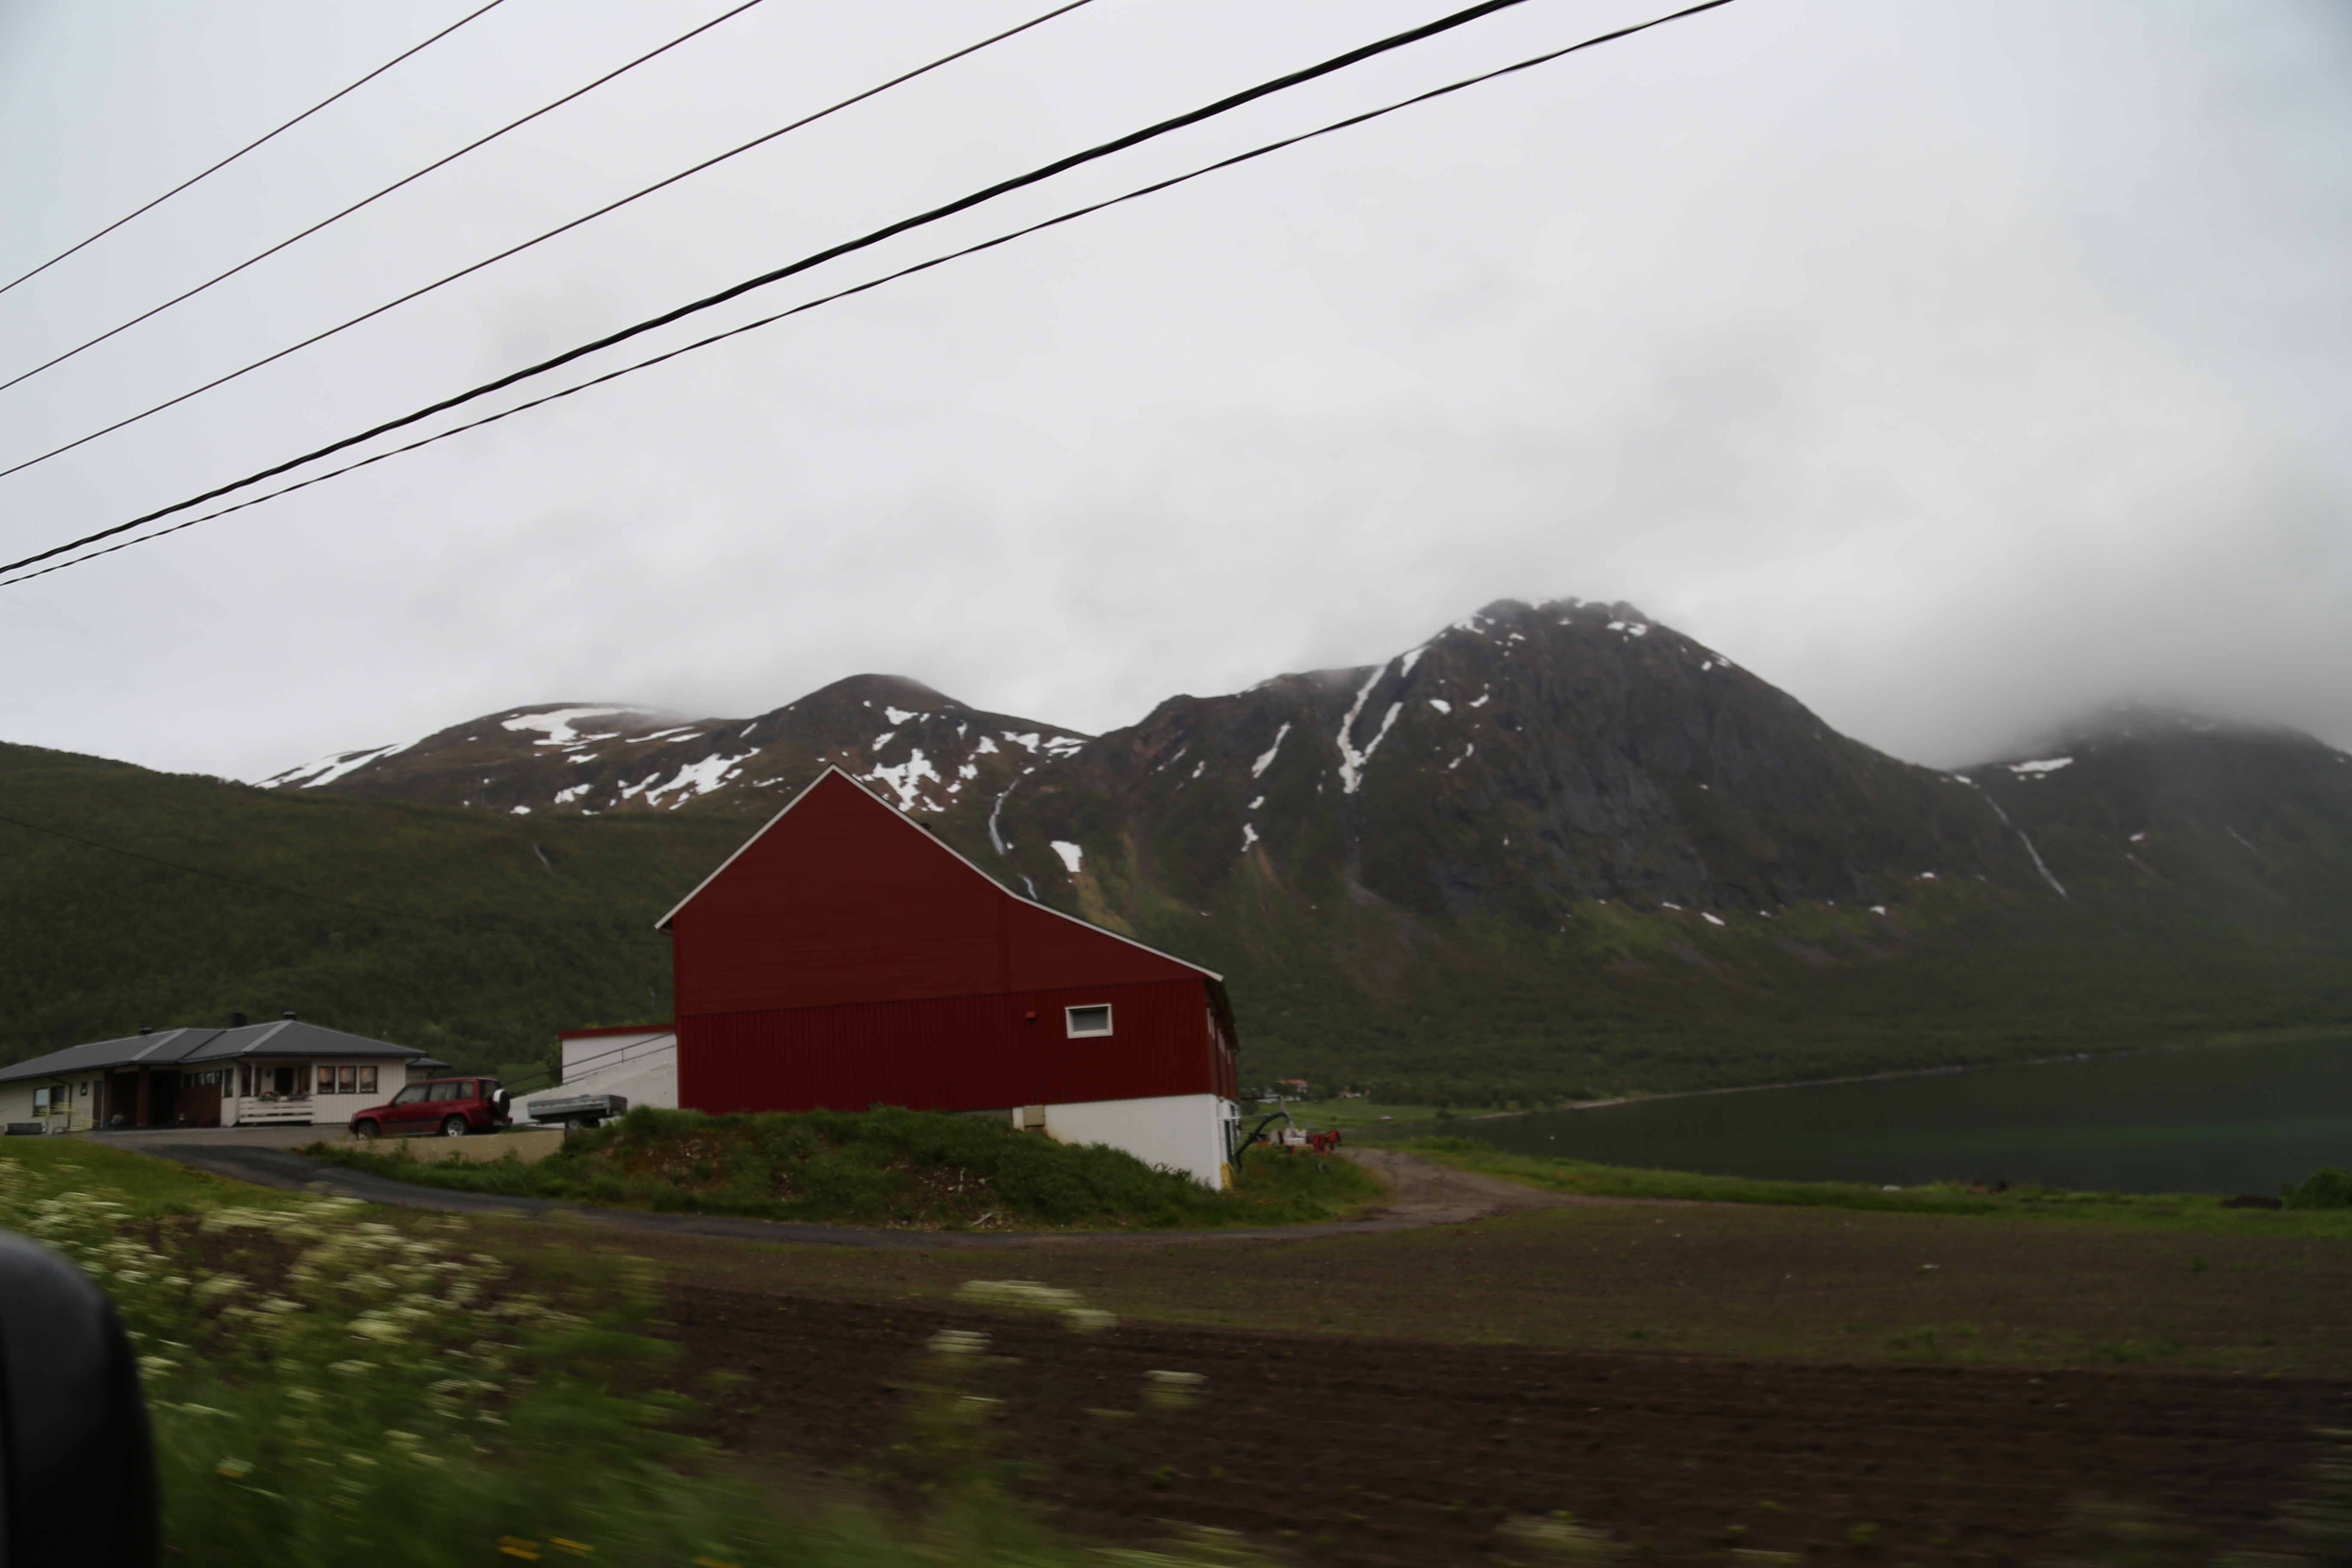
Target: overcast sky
x,y
1952,366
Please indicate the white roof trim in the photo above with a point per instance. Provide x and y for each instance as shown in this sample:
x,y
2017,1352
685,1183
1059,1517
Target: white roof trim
x,y
263,1038
165,1038
913,827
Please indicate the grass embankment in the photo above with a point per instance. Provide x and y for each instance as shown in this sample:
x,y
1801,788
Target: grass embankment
x,y
920,1170
327,1385
2322,1206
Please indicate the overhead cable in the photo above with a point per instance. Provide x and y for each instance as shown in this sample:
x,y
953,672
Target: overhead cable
x,y
249,146
403,182
1072,215
551,234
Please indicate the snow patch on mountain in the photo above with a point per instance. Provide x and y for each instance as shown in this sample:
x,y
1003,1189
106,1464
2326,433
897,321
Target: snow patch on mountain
x,y
1352,761
560,727
327,769
1257,768
904,780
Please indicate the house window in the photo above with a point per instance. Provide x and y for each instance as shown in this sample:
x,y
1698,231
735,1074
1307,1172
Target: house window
x,y
367,1080
1089,1020
347,1079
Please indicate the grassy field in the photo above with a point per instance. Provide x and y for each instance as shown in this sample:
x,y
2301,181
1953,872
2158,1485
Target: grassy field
x,y
146,1187
1728,1280
923,1170
311,1361
2323,1217
1813,1270
315,1367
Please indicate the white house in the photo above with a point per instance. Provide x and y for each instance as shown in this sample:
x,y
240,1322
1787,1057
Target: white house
x,y
247,1074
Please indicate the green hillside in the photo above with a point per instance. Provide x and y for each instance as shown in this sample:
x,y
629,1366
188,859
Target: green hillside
x,y
490,933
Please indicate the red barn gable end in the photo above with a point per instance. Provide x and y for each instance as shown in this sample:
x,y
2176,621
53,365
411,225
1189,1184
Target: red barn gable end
x,y
846,957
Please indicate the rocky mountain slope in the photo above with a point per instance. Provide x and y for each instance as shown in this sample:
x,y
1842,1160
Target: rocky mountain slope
x,y
923,751
1521,761
1556,845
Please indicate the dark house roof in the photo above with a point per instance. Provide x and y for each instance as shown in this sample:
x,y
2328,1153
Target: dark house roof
x,y
205,1048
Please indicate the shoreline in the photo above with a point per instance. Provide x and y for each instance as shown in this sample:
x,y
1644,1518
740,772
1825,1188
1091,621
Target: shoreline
x,y
2271,1037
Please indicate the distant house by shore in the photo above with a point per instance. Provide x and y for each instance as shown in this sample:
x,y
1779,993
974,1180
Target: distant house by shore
x,y
284,1072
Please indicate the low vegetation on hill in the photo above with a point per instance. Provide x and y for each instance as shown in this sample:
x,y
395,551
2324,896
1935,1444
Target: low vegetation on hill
x,y
470,936
920,1170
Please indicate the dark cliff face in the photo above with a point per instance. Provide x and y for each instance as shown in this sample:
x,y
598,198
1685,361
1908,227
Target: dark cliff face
x,y
1522,761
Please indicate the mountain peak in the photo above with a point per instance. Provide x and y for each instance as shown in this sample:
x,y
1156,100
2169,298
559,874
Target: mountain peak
x,y
878,690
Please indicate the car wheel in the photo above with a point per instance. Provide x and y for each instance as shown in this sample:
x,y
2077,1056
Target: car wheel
x,y
453,1126
365,1130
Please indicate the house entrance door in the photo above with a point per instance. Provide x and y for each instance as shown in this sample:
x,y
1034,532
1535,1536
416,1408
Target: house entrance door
x,y
162,1099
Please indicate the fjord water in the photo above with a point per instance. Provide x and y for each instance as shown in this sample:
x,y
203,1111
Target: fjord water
x,y
2212,1119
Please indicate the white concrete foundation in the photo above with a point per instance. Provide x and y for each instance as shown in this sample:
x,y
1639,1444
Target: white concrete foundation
x,y
1184,1132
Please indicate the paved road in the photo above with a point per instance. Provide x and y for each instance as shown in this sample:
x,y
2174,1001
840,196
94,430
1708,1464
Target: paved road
x,y
1420,1194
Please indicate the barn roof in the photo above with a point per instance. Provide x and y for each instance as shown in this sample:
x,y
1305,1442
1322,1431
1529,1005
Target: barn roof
x,y
191,1047
941,847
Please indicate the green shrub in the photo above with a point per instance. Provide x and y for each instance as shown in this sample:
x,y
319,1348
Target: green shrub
x,y
2329,1187
883,1166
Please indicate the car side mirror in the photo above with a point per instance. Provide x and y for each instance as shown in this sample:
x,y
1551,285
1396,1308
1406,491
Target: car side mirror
x,y
77,1482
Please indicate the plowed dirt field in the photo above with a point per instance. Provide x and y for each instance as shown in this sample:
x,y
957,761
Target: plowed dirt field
x,y
1376,1451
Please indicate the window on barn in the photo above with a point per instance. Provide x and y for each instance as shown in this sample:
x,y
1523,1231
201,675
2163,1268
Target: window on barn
x,y
1089,1020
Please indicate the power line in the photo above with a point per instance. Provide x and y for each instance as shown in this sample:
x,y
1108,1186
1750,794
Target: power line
x,y
1105,150
472,928
369,201
249,146
1069,216
551,234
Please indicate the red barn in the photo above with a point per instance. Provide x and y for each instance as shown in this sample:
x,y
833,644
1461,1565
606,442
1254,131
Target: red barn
x,y
846,957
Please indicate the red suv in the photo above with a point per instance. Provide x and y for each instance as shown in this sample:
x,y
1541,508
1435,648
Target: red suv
x,y
451,1107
